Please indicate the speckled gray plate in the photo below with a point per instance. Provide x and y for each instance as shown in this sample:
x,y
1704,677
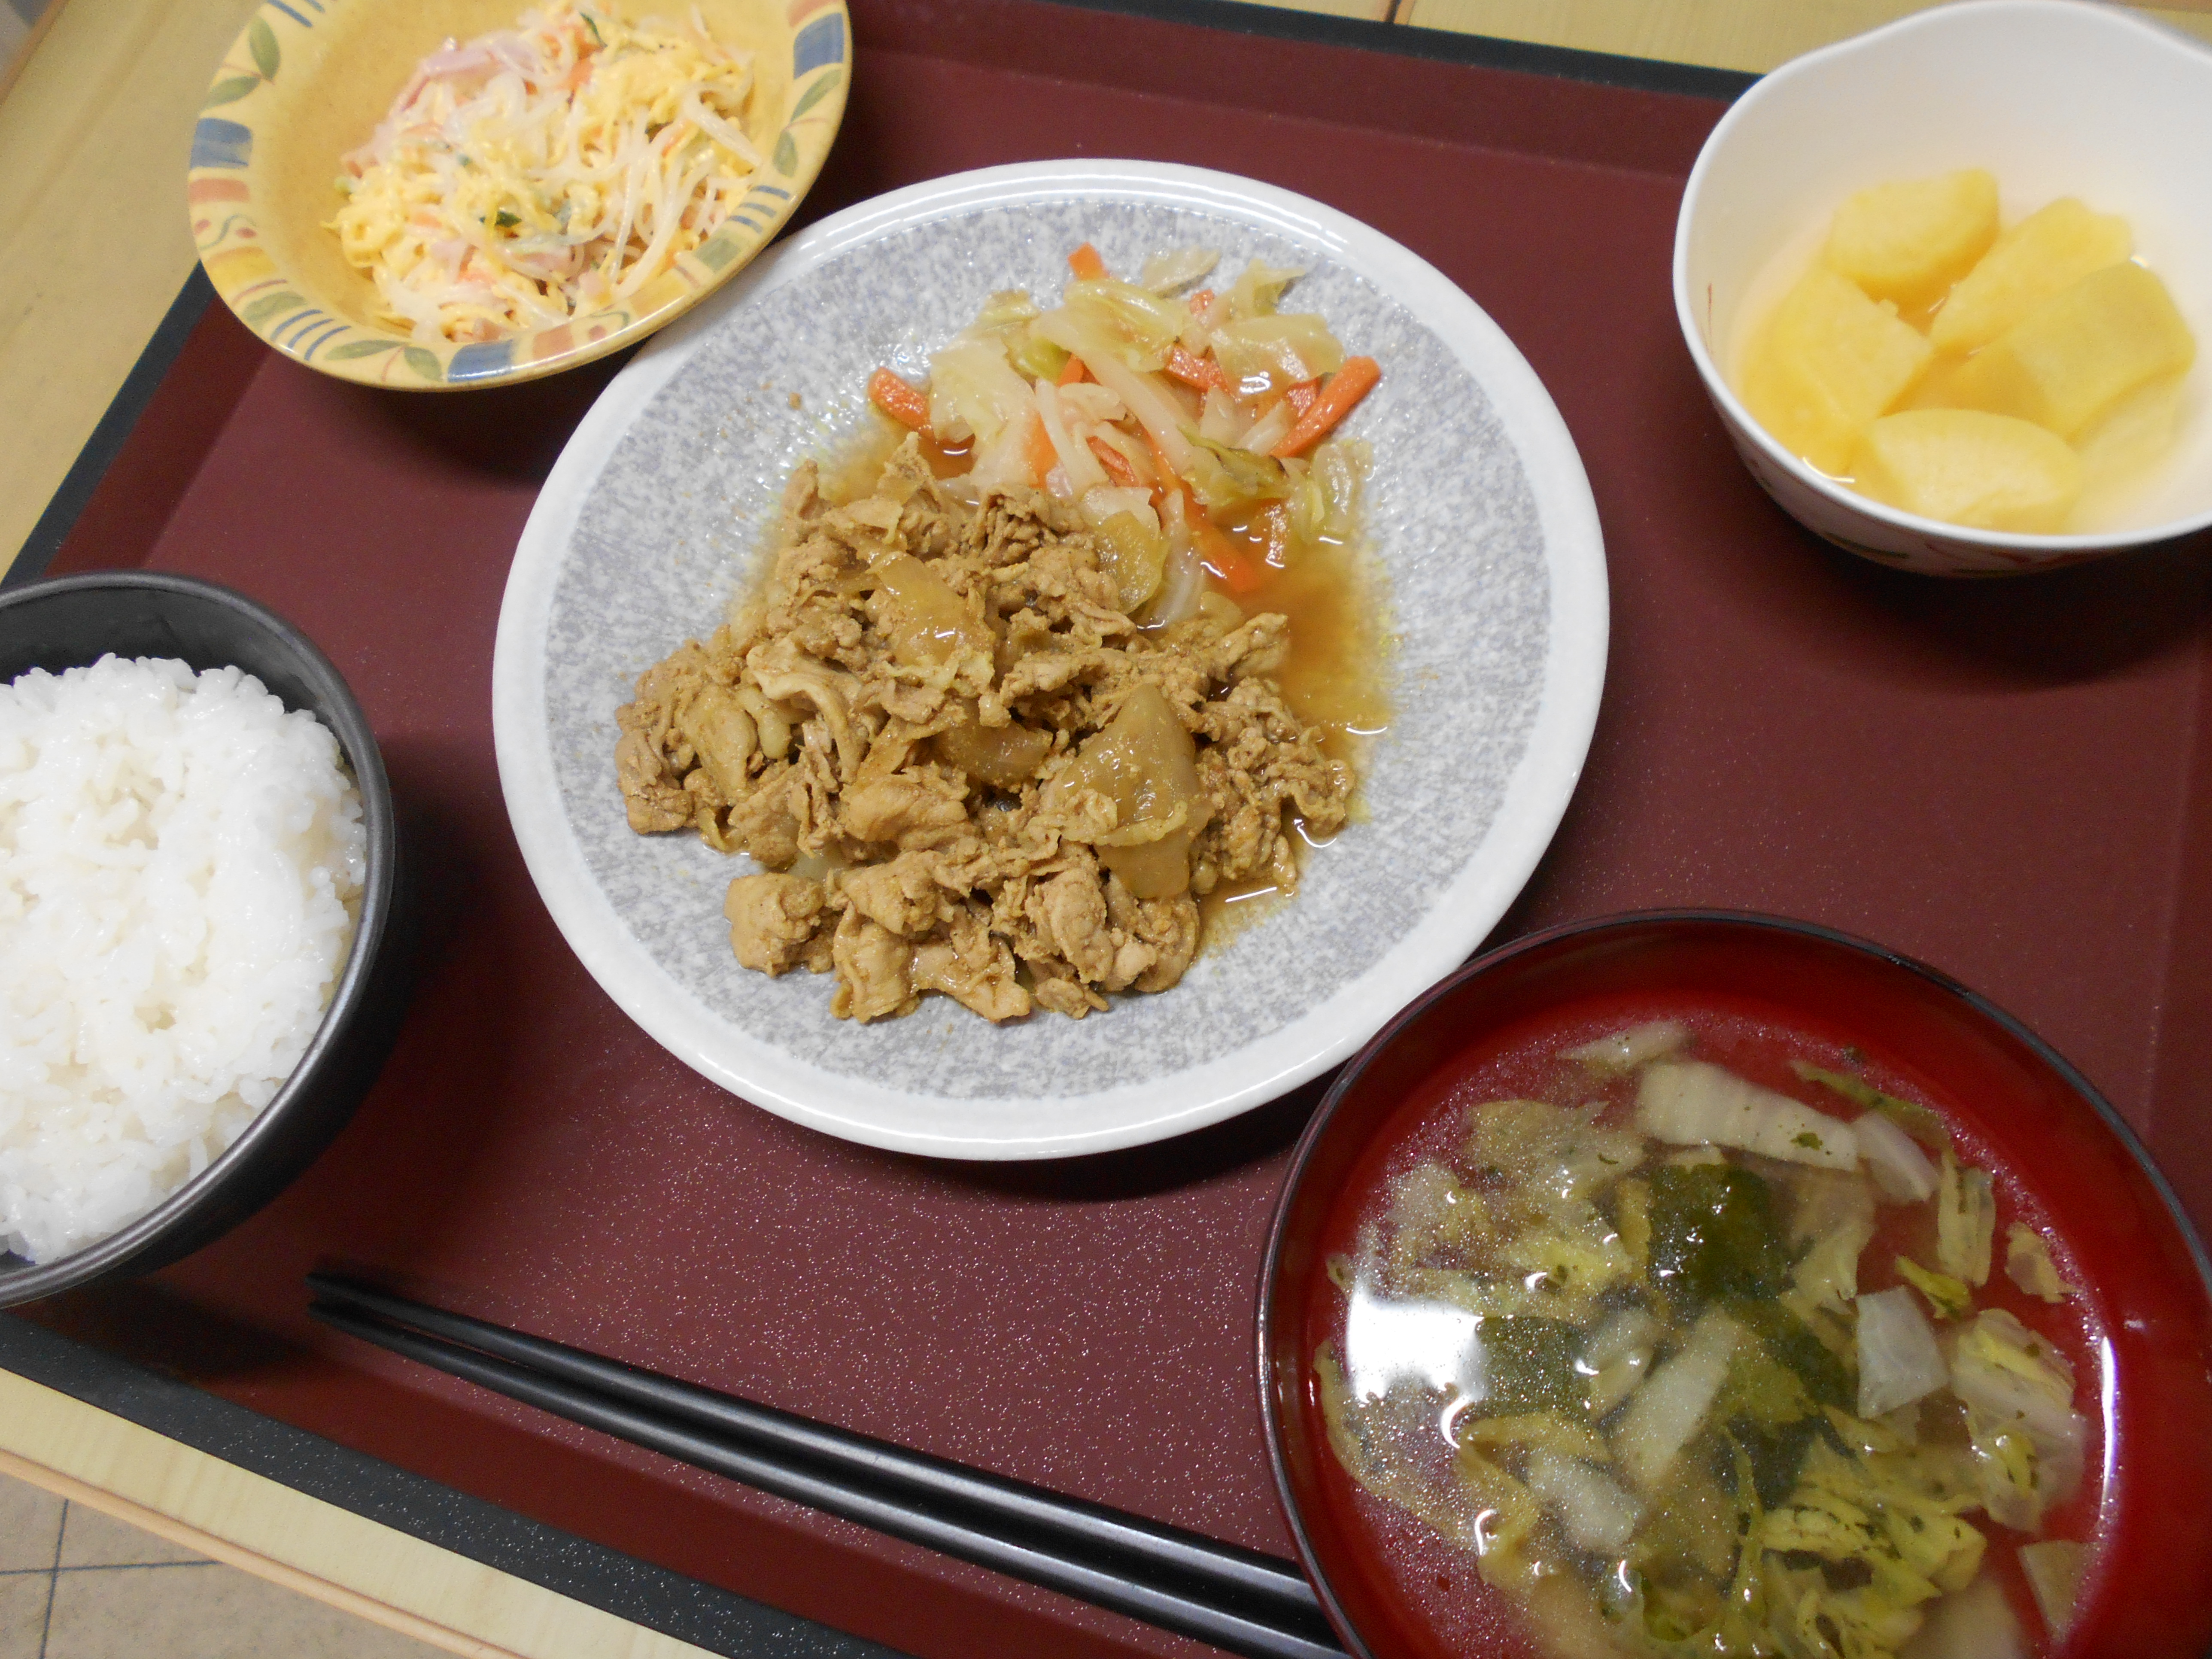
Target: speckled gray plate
x,y
1493,581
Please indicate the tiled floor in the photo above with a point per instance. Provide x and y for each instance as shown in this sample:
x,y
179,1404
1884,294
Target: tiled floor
x,y
75,1584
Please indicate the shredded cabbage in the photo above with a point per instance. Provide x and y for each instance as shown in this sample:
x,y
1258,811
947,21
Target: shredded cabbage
x,y
974,392
1257,290
1869,1509
2019,1394
1138,326
1279,350
1949,1297
2028,1264
1966,1222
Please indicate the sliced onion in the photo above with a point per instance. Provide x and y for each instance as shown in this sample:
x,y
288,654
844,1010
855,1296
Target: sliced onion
x,y
1668,1411
1083,472
1899,1360
1183,583
1596,1514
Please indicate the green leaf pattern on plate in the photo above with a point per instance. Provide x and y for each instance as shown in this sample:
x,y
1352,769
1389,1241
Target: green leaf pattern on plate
x,y
230,91
424,363
262,41
353,348
813,95
787,154
271,305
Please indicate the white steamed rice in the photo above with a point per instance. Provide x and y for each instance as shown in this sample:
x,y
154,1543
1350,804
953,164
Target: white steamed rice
x,y
180,863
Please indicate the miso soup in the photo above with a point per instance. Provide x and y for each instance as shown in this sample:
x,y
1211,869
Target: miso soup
x,y
1685,1332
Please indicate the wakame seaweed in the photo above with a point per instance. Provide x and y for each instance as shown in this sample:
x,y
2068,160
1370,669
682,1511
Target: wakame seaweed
x,y
1713,1233
1529,1364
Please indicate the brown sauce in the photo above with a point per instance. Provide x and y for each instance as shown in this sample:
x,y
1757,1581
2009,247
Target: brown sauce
x,y
1333,677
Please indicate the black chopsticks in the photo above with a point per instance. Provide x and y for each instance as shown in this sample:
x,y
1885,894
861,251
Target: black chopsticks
x,y
1236,1599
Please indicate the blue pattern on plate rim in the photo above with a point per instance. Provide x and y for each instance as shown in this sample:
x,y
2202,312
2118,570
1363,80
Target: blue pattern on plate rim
x,y
676,524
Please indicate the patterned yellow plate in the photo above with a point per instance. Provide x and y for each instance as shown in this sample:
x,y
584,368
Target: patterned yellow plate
x,y
309,80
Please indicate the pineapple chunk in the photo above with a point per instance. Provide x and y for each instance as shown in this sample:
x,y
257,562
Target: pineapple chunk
x,y
1829,361
1965,467
1910,241
2078,353
2042,255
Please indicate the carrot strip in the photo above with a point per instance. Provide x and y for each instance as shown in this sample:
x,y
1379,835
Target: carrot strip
x,y
1193,370
1116,463
1085,263
1338,397
1301,397
1236,570
1039,452
901,402
1073,373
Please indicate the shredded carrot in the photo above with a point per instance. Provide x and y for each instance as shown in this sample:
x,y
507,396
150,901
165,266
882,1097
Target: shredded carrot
x,y
1235,568
1075,373
1085,263
1301,397
1198,301
901,402
1116,463
1338,397
1195,370
1040,453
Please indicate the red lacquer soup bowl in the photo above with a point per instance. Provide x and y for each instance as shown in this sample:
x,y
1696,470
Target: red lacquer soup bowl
x,y
2138,1332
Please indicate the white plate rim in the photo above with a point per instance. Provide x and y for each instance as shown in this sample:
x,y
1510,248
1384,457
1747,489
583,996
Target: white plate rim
x,y
1130,1114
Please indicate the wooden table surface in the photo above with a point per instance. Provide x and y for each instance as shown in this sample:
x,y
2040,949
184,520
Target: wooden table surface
x,y
95,119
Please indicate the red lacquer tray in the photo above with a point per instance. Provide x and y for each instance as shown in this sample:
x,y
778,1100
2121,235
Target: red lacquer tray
x,y
2003,780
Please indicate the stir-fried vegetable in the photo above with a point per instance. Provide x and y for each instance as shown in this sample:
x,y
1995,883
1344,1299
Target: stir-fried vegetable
x,y
1194,426
1670,1415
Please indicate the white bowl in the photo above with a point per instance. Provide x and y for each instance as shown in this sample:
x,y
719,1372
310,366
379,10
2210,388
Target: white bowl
x,y
2055,97
1489,552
